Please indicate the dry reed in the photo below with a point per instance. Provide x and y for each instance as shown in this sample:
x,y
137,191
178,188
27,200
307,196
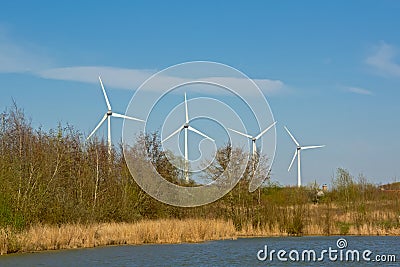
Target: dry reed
x,y
44,237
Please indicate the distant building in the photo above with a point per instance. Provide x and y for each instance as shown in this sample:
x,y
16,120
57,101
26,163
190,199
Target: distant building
x,y
324,187
390,187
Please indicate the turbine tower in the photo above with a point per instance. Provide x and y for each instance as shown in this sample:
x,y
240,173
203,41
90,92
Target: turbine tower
x,y
254,138
186,127
107,116
297,153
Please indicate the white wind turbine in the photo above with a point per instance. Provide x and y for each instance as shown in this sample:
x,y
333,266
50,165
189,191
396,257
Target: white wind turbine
x,y
297,153
187,127
254,138
108,116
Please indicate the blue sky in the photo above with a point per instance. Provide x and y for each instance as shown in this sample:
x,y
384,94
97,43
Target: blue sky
x,y
331,69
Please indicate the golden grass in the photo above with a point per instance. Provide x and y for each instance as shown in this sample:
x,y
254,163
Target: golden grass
x,y
3,241
44,237
372,222
251,231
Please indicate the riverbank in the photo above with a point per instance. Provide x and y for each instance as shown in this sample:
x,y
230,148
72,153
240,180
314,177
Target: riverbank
x,y
170,231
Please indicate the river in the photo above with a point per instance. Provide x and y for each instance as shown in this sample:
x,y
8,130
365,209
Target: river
x,y
281,251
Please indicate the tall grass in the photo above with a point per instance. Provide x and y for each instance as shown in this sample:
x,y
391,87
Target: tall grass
x,y
50,237
167,231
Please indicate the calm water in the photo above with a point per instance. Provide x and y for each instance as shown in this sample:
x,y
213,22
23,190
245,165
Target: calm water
x,y
241,252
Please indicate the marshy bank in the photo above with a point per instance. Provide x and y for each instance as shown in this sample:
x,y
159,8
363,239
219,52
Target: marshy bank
x,y
166,231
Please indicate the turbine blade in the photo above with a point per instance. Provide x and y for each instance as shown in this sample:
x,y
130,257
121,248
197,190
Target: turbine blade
x,y
200,133
246,135
294,139
177,131
294,157
310,147
105,94
186,110
125,117
97,127
266,130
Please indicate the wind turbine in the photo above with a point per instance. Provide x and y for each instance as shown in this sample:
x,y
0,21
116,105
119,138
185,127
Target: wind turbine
x,y
254,138
108,116
297,153
186,127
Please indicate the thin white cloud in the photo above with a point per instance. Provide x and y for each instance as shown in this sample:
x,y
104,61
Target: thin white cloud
x,y
115,77
358,90
133,78
383,60
268,87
